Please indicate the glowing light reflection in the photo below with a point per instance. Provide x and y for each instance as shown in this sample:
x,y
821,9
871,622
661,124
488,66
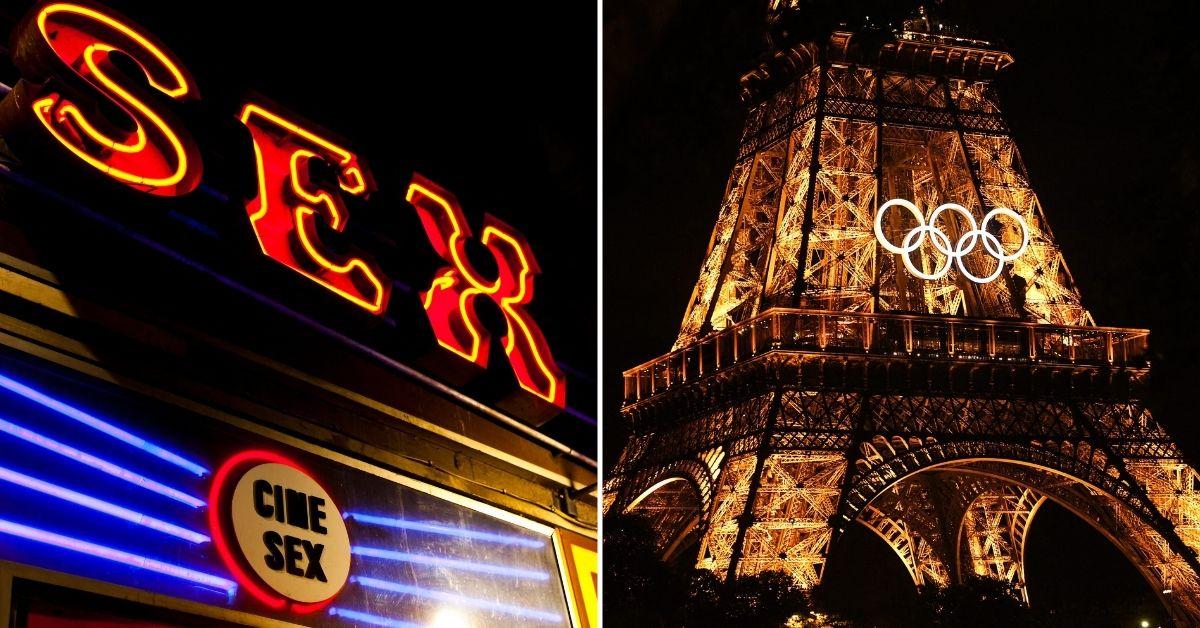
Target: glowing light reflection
x,y
374,620
432,528
100,425
91,503
457,600
104,466
436,561
118,556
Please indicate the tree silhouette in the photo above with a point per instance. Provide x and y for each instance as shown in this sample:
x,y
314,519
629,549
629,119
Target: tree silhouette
x,y
641,590
975,603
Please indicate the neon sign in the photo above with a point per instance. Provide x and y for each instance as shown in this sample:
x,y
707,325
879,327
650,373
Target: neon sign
x,y
449,300
268,535
145,501
66,57
285,528
67,44
953,252
282,151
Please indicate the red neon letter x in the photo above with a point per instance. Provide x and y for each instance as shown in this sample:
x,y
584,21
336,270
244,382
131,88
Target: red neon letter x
x,y
449,301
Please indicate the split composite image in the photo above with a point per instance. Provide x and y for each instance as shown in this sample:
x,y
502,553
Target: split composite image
x,y
647,313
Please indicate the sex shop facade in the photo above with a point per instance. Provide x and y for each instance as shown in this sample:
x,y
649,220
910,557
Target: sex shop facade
x,y
232,394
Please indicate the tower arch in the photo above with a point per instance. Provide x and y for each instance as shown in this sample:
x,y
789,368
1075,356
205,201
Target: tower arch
x,y
1014,489
673,507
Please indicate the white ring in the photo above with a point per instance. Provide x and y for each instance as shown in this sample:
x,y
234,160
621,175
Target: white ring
x,y
966,243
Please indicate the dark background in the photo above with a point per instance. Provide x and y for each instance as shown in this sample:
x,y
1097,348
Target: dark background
x,y
1101,101
493,101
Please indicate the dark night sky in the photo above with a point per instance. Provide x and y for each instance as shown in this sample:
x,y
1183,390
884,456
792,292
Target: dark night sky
x,y
490,100
1101,101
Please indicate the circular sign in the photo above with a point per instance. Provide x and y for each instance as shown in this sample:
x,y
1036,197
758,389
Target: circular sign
x,y
285,527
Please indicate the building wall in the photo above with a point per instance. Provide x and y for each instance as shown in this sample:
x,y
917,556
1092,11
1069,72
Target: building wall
x,y
99,312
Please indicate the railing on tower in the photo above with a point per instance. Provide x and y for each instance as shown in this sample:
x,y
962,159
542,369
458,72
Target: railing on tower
x,y
918,336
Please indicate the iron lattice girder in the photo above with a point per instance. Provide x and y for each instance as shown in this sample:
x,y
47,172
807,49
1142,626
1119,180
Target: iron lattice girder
x,y
993,532
828,455
1171,572
808,373
863,423
954,426
946,399
822,137
1008,357
986,124
944,524
911,518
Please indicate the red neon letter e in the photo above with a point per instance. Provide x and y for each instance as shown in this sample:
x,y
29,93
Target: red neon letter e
x,y
288,204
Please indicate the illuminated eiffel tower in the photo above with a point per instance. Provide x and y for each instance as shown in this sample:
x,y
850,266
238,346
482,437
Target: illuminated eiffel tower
x,y
884,333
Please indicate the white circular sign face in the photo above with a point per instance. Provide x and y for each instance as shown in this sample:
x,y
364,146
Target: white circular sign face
x,y
291,532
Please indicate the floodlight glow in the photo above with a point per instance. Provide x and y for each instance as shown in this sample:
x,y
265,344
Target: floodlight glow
x,y
453,563
954,252
87,501
105,466
100,425
457,600
432,528
118,556
374,620
449,618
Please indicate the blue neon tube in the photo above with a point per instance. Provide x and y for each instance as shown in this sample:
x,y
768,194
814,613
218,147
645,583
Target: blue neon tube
x,y
374,620
100,425
464,533
118,556
437,561
87,501
105,466
460,600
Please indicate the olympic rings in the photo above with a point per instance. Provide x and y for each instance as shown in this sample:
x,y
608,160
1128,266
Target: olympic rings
x,y
966,244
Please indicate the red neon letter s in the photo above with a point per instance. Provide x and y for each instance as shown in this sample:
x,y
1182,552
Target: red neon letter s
x,y
449,301
289,202
68,42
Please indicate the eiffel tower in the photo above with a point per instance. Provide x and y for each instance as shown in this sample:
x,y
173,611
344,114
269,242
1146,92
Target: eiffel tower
x,y
884,333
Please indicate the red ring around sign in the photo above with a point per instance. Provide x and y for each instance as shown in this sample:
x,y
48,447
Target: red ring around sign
x,y
220,541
